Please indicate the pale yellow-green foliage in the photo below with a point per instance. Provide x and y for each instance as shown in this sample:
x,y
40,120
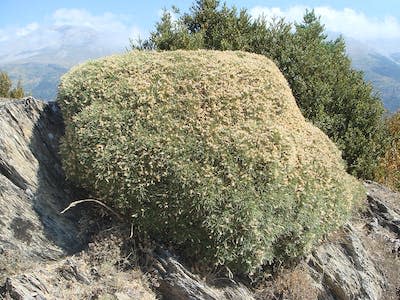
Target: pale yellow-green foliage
x,y
206,150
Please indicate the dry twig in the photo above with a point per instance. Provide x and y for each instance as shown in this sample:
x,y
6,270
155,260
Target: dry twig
x,y
74,203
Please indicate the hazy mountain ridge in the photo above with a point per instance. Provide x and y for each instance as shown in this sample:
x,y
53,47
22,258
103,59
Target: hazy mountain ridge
x,y
38,79
64,45
381,70
396,57
40,62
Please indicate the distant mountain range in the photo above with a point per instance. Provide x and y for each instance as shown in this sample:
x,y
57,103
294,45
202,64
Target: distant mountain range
x,y
39,80
41,69
383,71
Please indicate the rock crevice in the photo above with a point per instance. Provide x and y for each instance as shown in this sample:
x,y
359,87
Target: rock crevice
x,y
32,185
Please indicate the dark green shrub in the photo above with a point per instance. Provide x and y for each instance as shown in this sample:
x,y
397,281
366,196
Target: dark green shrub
x,y
205,150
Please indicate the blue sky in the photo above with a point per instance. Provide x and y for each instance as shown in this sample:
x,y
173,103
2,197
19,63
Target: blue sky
x,y
375,23
145,13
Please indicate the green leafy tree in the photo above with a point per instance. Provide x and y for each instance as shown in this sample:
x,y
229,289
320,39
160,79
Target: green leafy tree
x,y
221,29
5,87
5,84
328,91
171,35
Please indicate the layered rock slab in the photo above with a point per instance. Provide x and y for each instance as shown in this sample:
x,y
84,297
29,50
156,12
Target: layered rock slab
x,y
32,186
363,260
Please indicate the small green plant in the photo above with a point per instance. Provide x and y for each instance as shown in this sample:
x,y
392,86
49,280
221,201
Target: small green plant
x,y
204,150
6,90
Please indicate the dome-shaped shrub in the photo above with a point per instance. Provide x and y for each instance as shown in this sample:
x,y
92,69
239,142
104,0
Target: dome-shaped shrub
x,y
205,150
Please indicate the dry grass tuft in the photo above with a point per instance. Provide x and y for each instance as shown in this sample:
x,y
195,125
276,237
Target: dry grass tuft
x,y
104,271
112,270
289,284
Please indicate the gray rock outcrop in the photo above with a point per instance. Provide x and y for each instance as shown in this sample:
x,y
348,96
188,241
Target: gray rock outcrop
x,y
345,270
178,283
32,186
363,262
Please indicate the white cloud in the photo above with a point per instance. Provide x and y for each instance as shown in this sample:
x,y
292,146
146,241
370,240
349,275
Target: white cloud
x,y
136,33
3,35
110,29
77,17
294,13
351,23
27,29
